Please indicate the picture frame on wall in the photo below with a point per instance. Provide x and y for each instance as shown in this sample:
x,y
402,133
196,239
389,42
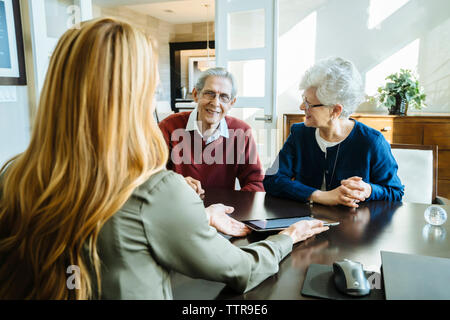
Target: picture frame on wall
x,y
196,66
12,59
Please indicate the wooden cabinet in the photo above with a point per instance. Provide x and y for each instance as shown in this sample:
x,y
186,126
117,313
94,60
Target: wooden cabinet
x,y
416,129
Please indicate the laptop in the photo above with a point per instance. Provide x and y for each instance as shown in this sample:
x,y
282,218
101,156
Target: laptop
x,y
415,277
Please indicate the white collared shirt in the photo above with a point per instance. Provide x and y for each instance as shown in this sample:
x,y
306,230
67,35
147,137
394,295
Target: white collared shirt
x,y
222,129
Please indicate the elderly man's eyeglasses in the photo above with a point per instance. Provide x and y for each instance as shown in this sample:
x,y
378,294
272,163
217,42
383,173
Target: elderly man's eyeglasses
x,y
308,106
211,95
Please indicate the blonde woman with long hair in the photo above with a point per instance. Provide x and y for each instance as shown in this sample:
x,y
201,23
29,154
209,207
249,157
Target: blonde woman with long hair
x,y
90,193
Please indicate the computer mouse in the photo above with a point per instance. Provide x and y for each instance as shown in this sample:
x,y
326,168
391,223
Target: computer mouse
x,y
350,279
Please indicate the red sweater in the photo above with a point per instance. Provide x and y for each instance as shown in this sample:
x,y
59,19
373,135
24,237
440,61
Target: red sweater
x,y
218,163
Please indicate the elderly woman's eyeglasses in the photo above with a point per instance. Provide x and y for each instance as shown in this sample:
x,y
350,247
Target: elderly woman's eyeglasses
x,y
211,95
308,106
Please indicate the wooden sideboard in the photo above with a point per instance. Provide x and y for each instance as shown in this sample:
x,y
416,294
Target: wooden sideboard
x,y
417,129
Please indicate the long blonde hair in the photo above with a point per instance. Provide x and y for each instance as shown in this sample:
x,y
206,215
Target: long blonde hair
x,y
94,141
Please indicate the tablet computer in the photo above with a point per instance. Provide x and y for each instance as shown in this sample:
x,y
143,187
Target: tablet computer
x,y
281,223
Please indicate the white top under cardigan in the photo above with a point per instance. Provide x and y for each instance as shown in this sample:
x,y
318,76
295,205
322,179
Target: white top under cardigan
x,y
324,144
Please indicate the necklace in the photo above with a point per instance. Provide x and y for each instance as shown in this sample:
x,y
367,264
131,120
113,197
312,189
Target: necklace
x,y
334,167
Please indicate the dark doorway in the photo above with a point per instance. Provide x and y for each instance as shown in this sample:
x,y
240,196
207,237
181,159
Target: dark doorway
x,y
175,68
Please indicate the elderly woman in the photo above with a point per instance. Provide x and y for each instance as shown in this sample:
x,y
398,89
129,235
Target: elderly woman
x,y
330,158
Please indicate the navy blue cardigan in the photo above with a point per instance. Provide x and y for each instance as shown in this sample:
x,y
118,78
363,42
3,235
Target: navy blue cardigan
x,y
300,165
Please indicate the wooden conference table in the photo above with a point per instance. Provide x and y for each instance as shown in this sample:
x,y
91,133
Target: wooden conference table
x,y
375,226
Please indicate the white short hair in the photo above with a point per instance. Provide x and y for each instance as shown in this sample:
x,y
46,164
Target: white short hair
x,y
216,72
337,81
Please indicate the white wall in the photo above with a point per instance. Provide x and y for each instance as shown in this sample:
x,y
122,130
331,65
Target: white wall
x,y
434,67
14,125
43,21
15,111
314,29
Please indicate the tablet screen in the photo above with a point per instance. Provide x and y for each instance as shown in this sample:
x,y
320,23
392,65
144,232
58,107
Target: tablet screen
x,y
279,223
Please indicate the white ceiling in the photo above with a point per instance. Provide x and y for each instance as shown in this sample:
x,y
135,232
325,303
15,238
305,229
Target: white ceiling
x,y
183,11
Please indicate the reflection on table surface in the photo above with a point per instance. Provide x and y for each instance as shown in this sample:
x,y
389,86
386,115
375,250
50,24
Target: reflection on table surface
x,y
362,233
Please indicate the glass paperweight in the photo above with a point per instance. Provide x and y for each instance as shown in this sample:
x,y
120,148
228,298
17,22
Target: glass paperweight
x,y
435,215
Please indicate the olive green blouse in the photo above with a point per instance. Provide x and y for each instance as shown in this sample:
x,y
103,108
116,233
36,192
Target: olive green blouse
x,y
164,227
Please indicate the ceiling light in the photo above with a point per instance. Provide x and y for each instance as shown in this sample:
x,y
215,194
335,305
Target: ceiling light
x,y
207,32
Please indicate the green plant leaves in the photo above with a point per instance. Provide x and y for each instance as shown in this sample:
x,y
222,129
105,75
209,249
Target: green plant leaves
x,y
390,101
405,85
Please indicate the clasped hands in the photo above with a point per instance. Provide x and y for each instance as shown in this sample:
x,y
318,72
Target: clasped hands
x,y
351,191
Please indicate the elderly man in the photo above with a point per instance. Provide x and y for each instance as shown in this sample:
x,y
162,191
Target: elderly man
x,y
209,148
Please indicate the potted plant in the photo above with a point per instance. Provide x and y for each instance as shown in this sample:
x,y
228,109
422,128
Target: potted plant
x,y
400,92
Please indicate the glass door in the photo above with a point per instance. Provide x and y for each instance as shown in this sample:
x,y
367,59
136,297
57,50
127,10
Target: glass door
x,y
246,44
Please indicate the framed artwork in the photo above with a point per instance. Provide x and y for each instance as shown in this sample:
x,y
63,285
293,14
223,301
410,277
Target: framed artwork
x,y
12,61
